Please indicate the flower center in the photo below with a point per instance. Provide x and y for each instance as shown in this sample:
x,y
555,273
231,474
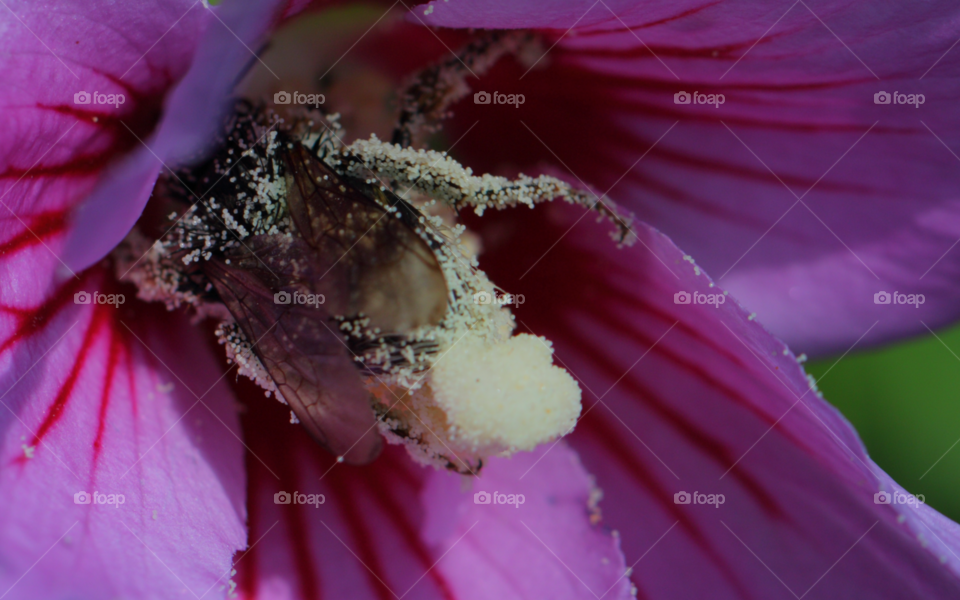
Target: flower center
x,y
314,254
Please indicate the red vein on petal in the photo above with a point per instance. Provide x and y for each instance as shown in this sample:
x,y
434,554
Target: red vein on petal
x,y
81,165
42,226
709,378
297,529
32,321
131,377
247,573
621,452
113,354
346,501
708,444
691,11
269,437
404,526
65,393
703,206
142,119
686,13
633,303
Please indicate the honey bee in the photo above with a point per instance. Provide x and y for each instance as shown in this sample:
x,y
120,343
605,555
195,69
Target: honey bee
x,y
333,290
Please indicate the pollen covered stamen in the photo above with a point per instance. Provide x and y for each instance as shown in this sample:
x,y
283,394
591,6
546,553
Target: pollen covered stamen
x,y
429,94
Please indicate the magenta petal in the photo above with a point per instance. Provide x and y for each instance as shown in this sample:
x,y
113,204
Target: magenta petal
x,y
522,14
543,548
53,148
116,480
701,399
395,527
192,118
803,196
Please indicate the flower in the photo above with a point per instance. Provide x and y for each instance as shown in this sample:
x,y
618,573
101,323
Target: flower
x,y
128,400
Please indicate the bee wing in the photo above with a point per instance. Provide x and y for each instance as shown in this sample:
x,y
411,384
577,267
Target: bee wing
x,y
307,360
392,274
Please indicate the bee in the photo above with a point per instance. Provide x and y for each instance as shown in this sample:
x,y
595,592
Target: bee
x,y
281,225
337,293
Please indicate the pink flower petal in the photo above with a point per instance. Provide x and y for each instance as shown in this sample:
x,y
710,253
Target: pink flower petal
x,y
87,407
53,148
526,14
104,400
192,118
799,193
394,527
701,399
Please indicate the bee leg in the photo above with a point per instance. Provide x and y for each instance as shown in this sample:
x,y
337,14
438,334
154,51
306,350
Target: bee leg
x,y
424,101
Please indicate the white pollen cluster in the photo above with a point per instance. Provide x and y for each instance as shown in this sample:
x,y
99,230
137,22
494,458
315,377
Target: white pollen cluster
x,y
503,397
240,352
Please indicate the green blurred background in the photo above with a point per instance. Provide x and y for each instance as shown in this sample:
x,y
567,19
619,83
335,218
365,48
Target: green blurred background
x,y
903,400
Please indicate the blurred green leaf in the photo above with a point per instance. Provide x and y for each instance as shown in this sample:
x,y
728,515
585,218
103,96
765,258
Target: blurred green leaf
x,y
904,400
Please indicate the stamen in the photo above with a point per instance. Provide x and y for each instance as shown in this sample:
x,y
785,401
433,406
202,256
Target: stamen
x,y
425,100
437,175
